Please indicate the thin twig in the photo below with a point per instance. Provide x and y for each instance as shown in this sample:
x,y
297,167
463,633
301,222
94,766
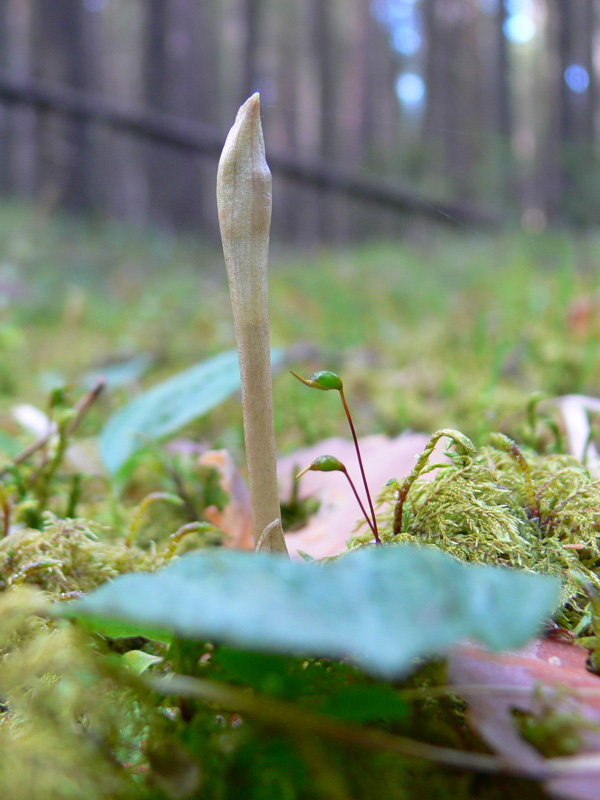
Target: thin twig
x,y
6,509
81,408
291,718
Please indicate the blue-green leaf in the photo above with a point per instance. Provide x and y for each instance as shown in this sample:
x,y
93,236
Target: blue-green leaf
x,y
170,405
119,373
382,607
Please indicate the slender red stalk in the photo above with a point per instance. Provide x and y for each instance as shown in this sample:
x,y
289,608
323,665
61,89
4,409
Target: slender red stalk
x,y
362,471
362,508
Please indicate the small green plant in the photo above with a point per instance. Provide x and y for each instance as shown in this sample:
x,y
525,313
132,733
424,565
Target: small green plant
x,y
327,381
465,449
244,203
31,483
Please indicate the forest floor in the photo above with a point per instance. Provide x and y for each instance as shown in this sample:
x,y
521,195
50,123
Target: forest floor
x,y
451,331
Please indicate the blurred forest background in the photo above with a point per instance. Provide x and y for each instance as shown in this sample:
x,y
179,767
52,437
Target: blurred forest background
x,y
484,109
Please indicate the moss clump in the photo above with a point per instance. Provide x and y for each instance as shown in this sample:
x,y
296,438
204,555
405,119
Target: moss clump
x,y
67,558
70,725
505,505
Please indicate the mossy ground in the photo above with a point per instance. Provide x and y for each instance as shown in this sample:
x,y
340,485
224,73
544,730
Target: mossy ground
x,y
447,332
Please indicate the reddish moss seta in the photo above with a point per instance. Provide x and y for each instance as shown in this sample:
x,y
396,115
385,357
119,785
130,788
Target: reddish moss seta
x,y
333,464
326,381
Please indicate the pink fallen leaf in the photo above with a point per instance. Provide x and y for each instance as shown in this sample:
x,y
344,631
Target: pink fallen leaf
x,y
336,520
545,673
338,516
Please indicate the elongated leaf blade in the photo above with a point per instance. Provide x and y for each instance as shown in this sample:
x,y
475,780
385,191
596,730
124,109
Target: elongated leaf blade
x,y
170,405
382,607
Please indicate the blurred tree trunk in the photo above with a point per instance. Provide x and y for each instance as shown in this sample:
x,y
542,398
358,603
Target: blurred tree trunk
x,y
565,118
502,103
325,59
454,103
180,78
306,121
588,33
502,88
436,65
21,165
125,185
207,83
284,132
581,49
155,96
4,117
359,87
321,29
60,56
156,53
251,21
207,100
95,150
381,106
370,113
570,193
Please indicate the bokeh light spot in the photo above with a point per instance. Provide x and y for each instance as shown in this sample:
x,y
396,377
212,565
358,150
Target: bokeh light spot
x,y
520,28
577,78
406,40
410,89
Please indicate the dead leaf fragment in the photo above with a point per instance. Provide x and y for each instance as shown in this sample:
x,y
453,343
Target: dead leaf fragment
x,y
236,518
544,672
330,528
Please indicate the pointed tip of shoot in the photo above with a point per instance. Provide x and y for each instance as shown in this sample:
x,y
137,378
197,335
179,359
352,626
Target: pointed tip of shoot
x,y
250,109
324,380
245,140
244,190
323,464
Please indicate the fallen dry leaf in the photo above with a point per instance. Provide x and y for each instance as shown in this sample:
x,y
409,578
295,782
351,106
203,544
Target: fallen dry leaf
x,y
545,672
574,410
236,518
330,528
583,316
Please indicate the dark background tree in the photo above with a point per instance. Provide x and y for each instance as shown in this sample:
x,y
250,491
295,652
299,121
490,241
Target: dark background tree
x,y
63,53
482,102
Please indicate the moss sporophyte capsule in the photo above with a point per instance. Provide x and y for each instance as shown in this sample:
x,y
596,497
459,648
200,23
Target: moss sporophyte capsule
x,y
323,379
326,381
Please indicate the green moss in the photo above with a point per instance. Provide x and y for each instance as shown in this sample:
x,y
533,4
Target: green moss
x,y
67,557
65,715
501,504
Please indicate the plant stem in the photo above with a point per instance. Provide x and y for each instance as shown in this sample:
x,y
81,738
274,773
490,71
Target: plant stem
x,y
512,448
362,508
244,204
464,445
362,471
293,719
